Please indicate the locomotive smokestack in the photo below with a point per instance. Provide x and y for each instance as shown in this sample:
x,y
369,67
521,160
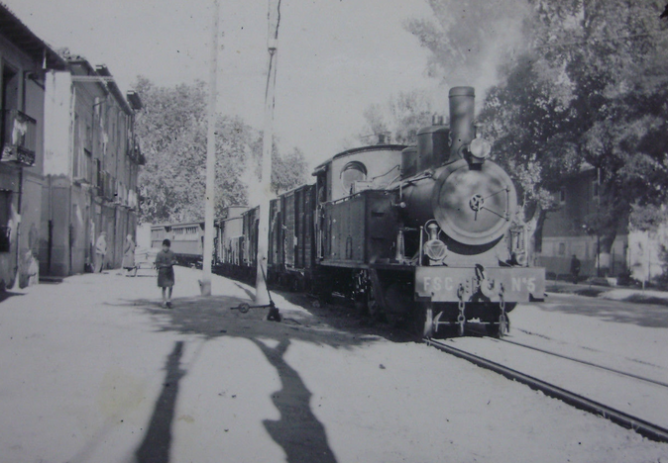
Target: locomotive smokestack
x,y
462,130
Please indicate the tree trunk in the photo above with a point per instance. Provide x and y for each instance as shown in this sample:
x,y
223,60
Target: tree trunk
x,y
604,261
530,228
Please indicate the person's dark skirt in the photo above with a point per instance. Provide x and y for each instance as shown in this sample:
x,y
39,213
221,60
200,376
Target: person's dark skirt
x,y
166,277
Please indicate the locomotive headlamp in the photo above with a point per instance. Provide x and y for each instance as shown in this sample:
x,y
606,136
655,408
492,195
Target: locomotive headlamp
x,y
480,148
435,248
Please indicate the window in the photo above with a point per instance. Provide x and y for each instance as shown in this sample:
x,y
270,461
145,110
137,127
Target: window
x,y
562,249
562,196
9,97
87,166
5,230
78,147
352,172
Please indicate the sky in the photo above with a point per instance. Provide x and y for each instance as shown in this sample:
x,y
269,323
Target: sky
x,y
335,57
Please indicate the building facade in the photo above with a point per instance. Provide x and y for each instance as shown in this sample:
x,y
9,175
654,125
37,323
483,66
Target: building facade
x,y
91,163
24,61
564,232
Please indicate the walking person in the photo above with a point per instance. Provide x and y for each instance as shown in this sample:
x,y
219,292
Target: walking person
x,y
129,256
164,262
575,268
100,251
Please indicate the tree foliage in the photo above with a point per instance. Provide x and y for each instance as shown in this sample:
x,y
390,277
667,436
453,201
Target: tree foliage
x,y
172,128
592,89
399,119
288,171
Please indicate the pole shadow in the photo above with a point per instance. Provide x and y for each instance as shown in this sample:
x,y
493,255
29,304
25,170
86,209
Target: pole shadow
x,y
298,431
156,446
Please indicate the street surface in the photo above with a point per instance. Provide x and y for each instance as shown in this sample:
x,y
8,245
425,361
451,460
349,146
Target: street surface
x,y
95,370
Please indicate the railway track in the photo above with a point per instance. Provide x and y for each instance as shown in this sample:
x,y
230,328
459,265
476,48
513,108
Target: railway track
x,y
584,362
642,427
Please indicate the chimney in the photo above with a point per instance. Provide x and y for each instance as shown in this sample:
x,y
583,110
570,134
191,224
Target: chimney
x,y
462,130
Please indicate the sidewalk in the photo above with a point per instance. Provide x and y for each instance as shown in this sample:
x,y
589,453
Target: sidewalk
x,y
634,295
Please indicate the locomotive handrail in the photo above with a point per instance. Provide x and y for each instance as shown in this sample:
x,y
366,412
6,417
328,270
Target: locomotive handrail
x,y
411,180
398,166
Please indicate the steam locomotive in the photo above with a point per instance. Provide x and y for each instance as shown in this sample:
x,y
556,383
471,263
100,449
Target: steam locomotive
x,y
416,233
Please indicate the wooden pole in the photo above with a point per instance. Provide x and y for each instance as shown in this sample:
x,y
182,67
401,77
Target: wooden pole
x,y
209,195
261,292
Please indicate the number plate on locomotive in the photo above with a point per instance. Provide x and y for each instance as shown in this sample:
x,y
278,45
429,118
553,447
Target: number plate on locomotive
x,y
444,284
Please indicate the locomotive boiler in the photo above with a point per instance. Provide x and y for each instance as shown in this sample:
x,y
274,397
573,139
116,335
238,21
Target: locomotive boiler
x,y
418,232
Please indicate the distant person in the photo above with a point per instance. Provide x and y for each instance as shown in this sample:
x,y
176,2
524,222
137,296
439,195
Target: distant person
x,y
164,262
129,256
100,251
575,268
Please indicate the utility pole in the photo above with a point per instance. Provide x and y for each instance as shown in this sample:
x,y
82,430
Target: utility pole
x,y
274,19
209,194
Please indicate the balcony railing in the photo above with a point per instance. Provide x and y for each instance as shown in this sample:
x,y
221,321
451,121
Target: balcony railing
x,y
20,138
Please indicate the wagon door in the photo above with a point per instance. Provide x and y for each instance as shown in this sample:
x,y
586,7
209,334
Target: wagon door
x,y
289,229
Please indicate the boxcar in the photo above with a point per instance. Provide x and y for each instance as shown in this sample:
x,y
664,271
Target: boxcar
x,y
229,252
292,238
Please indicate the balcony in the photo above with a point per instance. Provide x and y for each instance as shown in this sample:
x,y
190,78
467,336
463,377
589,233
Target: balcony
x,y
20,138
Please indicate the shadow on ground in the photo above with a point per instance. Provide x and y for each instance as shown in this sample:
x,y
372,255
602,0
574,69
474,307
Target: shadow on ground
x,y
158,438
645,315
4,295
298,431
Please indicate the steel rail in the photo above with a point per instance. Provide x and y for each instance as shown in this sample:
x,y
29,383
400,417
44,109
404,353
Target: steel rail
x,y
584,362
642,427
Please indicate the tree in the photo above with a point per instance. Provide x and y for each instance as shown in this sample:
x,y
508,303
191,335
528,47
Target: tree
x,y
604,63
288,171
172,130
398,120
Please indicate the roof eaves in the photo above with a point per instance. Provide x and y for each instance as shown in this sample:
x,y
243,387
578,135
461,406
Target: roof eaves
x,y
113,88
21,35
